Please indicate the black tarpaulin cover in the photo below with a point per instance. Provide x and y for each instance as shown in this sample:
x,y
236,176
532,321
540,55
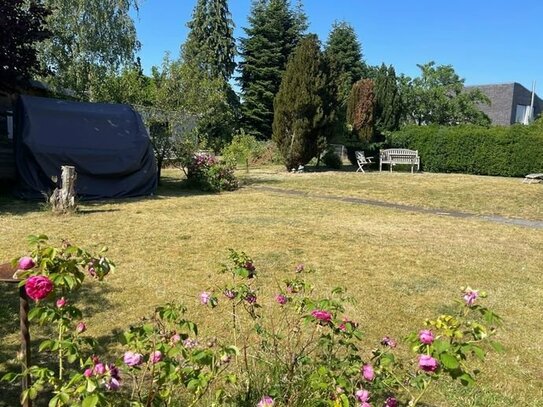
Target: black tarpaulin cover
x,y
106,143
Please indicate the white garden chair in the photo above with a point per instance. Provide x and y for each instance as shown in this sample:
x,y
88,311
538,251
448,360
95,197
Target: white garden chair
x,y
362,160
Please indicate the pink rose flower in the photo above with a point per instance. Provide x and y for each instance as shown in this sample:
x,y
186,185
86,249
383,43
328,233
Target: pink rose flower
x,y
26,263
265,401
322,316
99,369
428,363
281,299
38,287
87,372
230,294
388,341
368,372
362,395
80,328
155,357
61,302
470,296
204,297
426,337
132,358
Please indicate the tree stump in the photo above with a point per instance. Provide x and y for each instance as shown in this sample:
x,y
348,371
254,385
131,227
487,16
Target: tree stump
x,y
63,200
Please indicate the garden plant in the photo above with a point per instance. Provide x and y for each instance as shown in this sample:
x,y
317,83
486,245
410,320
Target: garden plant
x,y
308,354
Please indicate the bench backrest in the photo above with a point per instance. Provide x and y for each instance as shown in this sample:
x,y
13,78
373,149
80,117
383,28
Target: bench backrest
x,y
400,152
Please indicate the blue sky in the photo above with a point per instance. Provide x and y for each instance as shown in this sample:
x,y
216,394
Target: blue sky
x,y
486,41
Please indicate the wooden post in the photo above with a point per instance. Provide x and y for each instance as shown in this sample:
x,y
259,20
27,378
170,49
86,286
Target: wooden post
x,y
63,200
25,342
8,275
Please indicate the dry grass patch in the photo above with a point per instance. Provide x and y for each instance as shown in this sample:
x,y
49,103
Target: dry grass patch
x,y
469,193
400,267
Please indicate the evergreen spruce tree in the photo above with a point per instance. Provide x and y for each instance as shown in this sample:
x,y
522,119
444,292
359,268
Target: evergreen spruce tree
x,y
344,56
210,48
273,32
210,44
388,105
301,120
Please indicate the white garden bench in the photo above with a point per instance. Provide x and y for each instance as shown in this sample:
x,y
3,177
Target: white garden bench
x,y
393,156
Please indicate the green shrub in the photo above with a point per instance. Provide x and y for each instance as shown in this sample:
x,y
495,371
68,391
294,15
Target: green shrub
x,y
242,150
331,159
499,151
209,174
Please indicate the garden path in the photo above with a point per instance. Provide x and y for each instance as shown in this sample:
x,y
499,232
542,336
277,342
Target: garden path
x,y
532,224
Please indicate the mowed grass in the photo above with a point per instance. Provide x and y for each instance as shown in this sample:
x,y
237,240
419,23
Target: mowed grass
x,y
502,196
400,267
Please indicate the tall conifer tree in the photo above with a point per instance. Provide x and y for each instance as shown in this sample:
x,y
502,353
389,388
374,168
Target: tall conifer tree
x,y
210,48
301,118
388,106
273,32
344,55
210,44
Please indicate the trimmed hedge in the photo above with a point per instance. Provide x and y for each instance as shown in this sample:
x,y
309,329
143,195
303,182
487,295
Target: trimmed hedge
x,y
501,151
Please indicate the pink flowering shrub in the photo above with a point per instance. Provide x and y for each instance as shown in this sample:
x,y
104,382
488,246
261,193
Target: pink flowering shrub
x,y
290,346
311,353
206,172
50,275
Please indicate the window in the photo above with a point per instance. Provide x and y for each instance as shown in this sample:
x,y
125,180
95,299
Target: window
x,y
523,114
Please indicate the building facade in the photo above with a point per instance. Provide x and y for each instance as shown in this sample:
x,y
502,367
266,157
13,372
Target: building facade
x,y
509,103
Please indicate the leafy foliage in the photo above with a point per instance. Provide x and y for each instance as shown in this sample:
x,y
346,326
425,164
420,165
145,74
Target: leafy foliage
x,y
90,39
273,32
310,353
360,110
242,150
501,151
303,106
22,26
207,173
438,97
331,159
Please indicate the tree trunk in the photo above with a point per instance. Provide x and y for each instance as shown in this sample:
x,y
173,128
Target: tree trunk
x,y
63,200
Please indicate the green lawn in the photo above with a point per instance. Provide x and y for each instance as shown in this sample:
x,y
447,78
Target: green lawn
x,y
401,267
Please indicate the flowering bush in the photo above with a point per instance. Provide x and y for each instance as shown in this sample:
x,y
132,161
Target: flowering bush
x,y
302,350
206,172
312,353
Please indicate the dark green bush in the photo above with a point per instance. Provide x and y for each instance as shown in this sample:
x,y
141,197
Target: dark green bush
x,y
500,151
332,160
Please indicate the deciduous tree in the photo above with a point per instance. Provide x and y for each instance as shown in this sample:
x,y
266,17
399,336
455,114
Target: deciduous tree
x,y
90,39
22,26
438,97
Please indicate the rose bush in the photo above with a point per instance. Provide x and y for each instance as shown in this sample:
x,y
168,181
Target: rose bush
x,y
206,172
300,350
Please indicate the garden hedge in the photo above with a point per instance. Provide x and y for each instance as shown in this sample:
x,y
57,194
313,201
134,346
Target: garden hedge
x,y
500,151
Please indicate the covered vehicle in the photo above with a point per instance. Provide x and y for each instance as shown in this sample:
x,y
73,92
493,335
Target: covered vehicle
x,y
106,143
